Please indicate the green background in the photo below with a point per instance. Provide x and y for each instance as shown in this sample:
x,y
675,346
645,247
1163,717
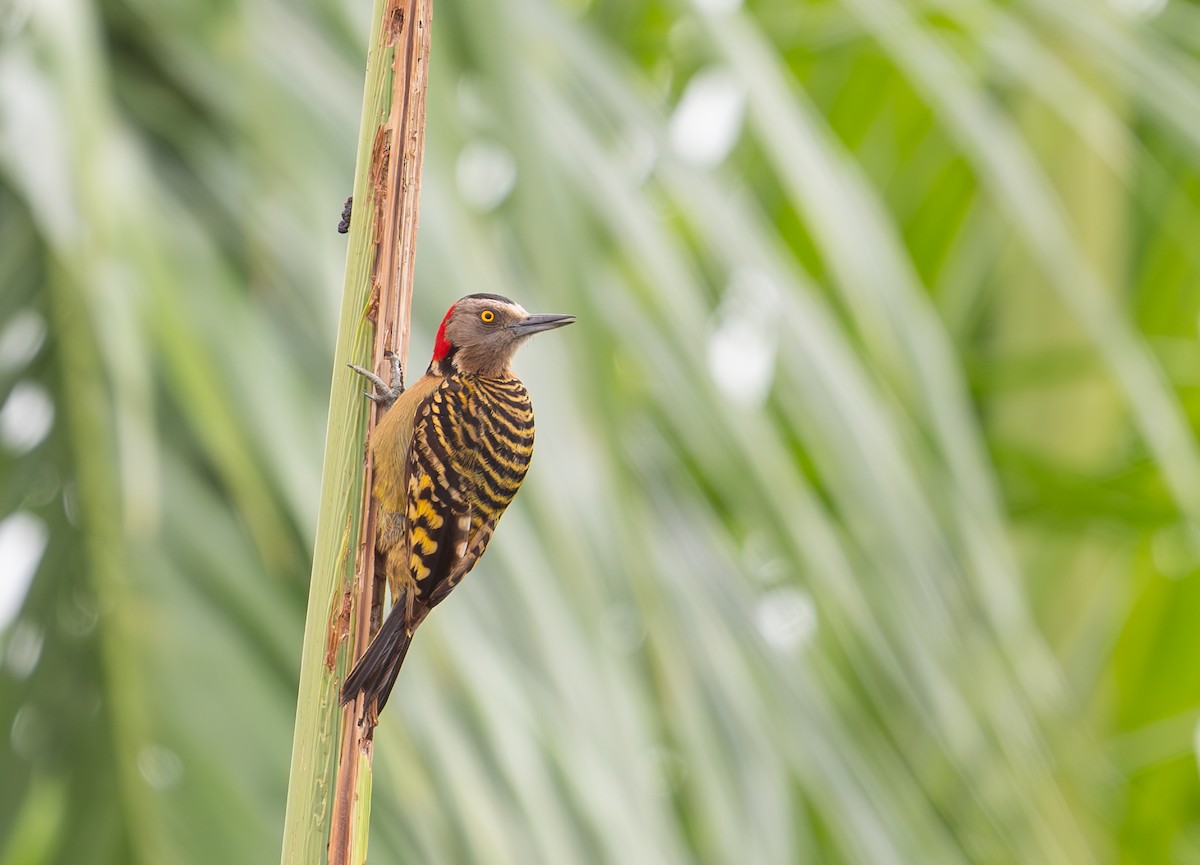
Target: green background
x,y
863,522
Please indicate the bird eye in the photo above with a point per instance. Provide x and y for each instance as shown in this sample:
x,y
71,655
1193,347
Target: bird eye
x,y
487,316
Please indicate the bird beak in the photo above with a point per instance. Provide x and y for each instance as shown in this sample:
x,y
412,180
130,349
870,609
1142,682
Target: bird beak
x,y
537,323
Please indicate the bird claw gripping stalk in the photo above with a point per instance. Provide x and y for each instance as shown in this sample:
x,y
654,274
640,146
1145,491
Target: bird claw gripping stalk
x,y
385,394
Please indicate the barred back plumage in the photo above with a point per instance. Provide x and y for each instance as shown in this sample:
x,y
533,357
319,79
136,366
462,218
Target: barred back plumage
x,y
472,449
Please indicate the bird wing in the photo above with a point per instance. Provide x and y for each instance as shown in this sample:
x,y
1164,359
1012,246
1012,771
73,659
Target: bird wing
x,y
471,449
438,517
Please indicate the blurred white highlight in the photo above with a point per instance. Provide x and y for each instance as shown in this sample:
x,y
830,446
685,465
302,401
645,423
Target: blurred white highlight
x,y
1140,9
485,173
33,143
24,649
708,120
159,766
786,618
21,339
28,734
718,7
1196,743
745,339
26,417
22,542
1176,550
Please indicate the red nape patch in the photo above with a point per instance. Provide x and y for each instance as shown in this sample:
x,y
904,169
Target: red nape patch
x,y
441,345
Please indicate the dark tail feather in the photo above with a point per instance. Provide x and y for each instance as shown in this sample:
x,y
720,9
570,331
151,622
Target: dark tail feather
x,y
376,671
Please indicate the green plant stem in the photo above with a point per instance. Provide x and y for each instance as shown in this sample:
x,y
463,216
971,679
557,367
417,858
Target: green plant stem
x,y
328,800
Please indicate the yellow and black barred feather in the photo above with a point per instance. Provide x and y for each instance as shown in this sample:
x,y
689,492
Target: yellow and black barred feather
x,y
470,449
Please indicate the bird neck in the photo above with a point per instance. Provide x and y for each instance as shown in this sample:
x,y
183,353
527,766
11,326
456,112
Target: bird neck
x,y
441,366
452,363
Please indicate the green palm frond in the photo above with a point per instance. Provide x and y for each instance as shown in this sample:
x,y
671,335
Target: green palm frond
x,y
861,527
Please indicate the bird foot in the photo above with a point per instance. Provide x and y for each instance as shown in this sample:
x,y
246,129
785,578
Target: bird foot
x,y
385,394
344,222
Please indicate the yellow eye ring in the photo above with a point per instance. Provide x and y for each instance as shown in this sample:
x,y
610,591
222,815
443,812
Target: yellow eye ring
x,y
487,316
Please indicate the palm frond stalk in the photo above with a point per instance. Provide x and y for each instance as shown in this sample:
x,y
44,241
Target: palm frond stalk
x,y
344,597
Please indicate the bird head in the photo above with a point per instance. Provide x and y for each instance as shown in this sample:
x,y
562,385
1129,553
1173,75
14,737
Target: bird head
x,y
481,332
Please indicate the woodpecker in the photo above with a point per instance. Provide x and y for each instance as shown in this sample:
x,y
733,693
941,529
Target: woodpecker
x,y
449,454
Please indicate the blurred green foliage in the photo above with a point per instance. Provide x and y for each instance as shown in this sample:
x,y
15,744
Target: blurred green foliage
x,y
863,522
